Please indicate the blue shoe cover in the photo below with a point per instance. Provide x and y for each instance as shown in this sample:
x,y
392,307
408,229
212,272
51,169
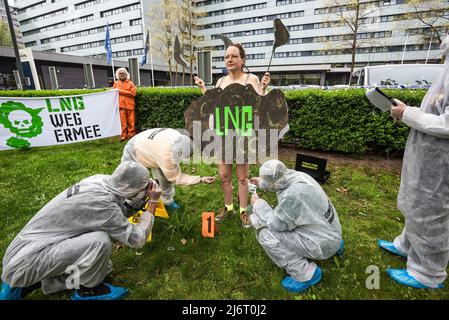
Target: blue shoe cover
x,y
9,293
173,206
116,293
293,285
401,276
389,246
341,249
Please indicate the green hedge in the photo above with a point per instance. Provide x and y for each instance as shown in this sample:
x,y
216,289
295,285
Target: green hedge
x,y
163,107
331,120
46,93
346,121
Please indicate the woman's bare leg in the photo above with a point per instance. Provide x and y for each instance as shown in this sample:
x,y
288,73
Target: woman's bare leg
x,y
242,176
225,171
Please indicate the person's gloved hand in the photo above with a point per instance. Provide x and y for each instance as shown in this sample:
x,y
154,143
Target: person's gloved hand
x,y
154,192
265,80
208,180
396,112
254,198
255,180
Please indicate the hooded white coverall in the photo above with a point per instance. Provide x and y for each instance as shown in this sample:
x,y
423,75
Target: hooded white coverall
x,y
73,231
304,225
161,150
424,192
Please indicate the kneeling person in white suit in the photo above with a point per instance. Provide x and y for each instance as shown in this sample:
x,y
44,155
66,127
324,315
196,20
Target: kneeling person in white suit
x,y
304,225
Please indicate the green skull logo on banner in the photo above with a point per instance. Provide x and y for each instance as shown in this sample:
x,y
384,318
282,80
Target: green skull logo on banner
x,y
22,121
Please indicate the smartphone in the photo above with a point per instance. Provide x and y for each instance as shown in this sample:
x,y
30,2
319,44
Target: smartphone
x,y
252,188
386,96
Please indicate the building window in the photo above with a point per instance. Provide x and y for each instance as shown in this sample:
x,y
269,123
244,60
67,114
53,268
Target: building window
x,y
287,2
255,19
31,7
365,50
30,44
209,2
255,56
135,22
82,33
115,11
44,16
120,54
87,4
238,9
58,25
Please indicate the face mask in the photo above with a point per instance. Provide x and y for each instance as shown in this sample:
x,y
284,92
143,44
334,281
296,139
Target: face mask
x,y
266,186
135,203
140,196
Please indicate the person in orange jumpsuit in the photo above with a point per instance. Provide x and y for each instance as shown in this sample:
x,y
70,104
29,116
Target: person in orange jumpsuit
x,y
127,92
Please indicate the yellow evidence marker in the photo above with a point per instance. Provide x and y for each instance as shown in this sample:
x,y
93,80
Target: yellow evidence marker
x,y
160,212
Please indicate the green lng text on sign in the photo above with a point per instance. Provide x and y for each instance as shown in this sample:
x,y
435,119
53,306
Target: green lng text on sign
x,y
241,120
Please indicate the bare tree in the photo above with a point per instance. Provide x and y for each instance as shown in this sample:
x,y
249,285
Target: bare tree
x,y
352,14
433,15
189,14
182,27
163,16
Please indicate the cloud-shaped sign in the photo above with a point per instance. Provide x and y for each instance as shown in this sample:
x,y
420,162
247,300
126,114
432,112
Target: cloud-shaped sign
x,y
238,113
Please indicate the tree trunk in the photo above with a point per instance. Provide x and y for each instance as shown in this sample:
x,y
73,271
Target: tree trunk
x,y
191,72
354,48
176,74
183,76
190,27
170,72
354,42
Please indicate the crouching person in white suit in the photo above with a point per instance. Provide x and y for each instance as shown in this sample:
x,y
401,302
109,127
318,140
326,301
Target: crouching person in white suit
x,y
70,236
304,225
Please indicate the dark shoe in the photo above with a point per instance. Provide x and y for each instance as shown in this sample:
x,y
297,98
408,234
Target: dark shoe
x,y
223,214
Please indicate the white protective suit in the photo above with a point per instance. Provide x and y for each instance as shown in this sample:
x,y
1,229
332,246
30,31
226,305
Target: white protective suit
x,y
162,150
304,225
74,230
424,192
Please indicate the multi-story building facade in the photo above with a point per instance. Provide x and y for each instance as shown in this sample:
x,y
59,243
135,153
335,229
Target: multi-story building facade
x,y
4,19
78,27
318,51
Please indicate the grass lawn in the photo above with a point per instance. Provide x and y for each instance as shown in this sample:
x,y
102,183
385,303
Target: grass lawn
x,y
232,265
